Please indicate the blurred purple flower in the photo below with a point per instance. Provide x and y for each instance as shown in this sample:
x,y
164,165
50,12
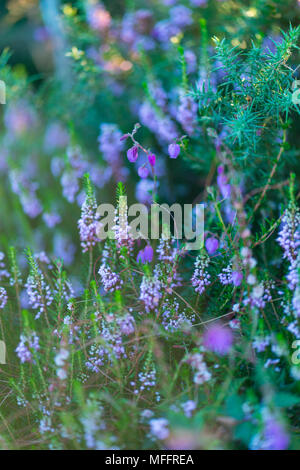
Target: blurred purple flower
x,y
211,245
218,338
237,278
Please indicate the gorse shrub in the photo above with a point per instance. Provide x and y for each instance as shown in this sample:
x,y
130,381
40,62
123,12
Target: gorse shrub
x,y
132,343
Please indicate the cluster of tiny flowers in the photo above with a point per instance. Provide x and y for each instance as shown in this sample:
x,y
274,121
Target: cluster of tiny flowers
x,y
3,297
146,380
112,347
159,428
39,293
111,281
150,292
226,276
3,271
289,235
197,362
201,278
260,343
61,362
296,301
73,330
122,229
88,224
289,240
173,320
26,346
126,324
259,295
188,407
166,251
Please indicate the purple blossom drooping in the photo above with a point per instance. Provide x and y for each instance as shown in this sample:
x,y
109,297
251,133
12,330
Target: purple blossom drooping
x,y
174,150
132,154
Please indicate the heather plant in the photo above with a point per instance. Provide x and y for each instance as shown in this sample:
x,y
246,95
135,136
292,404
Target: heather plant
x,y
125,342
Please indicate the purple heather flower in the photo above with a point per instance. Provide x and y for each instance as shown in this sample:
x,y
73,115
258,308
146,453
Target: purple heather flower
x,y
158,94
164,30
143,172
132,154
211,245
56,137
111,281
289,240
181,16
27,345
3,297
191,61
275,436
174,150
162,126
145,255
111,146
39,293
70,185
152,159
226,275
19,118
143,191
218,338
127,324
159,428
237,278
201,279
187,113
88,223
150,292
64,248
202,374
188,407
51,219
